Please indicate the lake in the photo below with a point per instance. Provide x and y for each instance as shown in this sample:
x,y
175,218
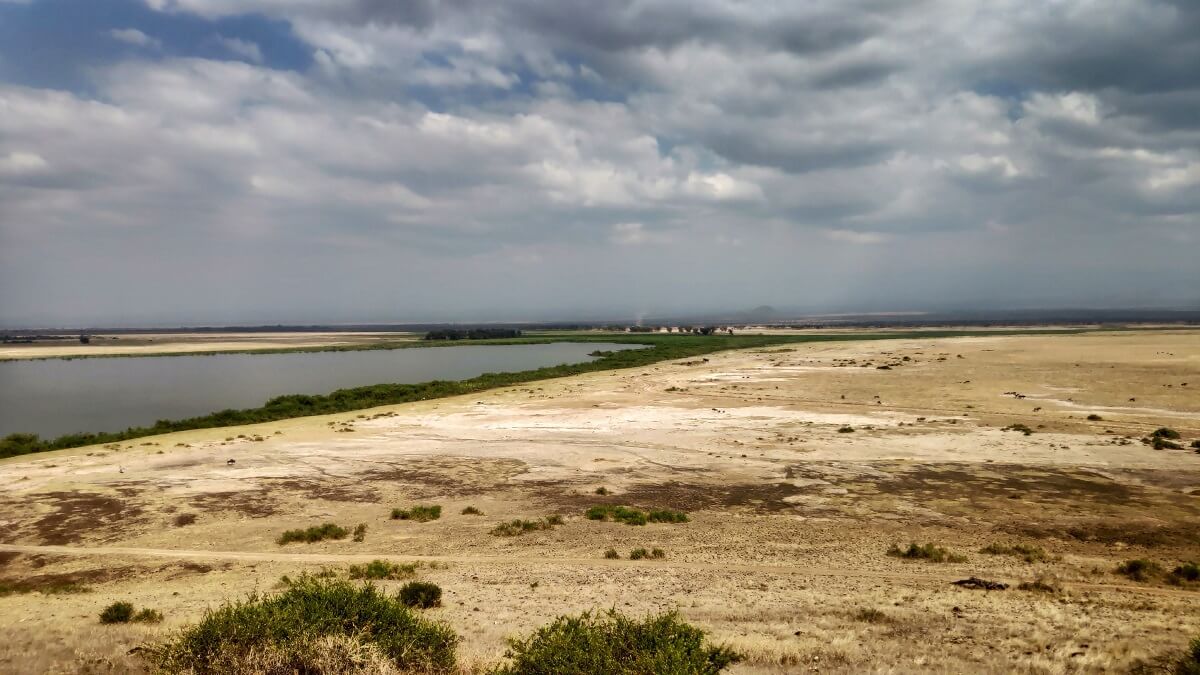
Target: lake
x,y
55,397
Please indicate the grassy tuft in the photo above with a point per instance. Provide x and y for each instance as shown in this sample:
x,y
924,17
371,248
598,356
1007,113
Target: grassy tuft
x,y
382,569
420,514
928,552
517,527
611,554
285,626
118,612
313,534
472,511
1027,552
614,644
360,532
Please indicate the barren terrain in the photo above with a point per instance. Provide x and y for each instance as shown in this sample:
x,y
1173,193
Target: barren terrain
x,y
797,465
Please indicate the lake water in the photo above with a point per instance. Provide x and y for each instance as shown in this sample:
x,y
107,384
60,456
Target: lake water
x,y
56,397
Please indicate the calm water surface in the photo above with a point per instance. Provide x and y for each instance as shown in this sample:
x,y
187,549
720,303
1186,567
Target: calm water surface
x,y
57,397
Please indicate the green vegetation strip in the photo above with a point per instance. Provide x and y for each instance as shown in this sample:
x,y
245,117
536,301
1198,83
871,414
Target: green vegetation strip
x,y
659,347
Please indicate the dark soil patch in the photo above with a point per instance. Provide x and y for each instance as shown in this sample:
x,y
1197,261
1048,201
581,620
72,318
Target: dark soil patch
x,y
77,514
1148,535
7,557
253,503
328,490
754,497
427,477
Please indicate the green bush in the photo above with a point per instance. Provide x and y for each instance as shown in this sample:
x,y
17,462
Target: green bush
x,y
382,569
118,612
1165,432
1187,572
614,644
147,615
1189,663
308,610
638,554
1140,569
421,595
631,516
421,514
360,532
928,552
313,534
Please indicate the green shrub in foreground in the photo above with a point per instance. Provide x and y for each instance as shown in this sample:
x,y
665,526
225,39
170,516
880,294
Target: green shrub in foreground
x,y
1189,664
421,595
313,534
614,644
309,610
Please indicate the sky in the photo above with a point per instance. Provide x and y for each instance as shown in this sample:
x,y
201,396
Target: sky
x,y
310,161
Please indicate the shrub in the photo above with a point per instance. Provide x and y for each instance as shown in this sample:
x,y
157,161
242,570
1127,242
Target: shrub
x,y
554,520
845,430
638,554
421,595
313,534
1095,418
869,615
382,569
517,527
631,516
118,612
1140,569
1027,552
286,625
421,514
185,519
1189,663
1018,427
360,532
1165,432
612,554
147,615
602,490
657,553
1187,572
472,511
614,644
928,552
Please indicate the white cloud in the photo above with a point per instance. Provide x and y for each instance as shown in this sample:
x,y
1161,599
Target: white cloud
x,y
133,36
243,48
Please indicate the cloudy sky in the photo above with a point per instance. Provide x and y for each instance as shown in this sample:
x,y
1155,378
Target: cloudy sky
x,y
208,161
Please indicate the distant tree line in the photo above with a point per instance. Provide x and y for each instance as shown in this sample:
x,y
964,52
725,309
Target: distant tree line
x,y
473,334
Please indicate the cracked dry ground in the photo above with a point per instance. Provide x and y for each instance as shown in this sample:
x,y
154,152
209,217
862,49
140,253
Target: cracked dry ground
x,y
790,516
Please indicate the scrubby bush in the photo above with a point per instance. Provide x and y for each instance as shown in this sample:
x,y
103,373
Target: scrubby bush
x,y
1027,552
1188,572
421,595
1140,569
1095,418
614,644
601,490
631,516
284,628
472,511
118,612
313,534
870,615
929,552
612,554
1039,585
360,532
638,554
421,514
518,527
1165,432
382,569
1023,428
845,430
185,519
147,615
1189,663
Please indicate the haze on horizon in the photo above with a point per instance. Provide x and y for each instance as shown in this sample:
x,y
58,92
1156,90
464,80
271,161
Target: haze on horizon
x,y
319,161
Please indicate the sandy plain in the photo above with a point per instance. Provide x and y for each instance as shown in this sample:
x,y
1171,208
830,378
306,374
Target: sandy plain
x,y
790,518
145,344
